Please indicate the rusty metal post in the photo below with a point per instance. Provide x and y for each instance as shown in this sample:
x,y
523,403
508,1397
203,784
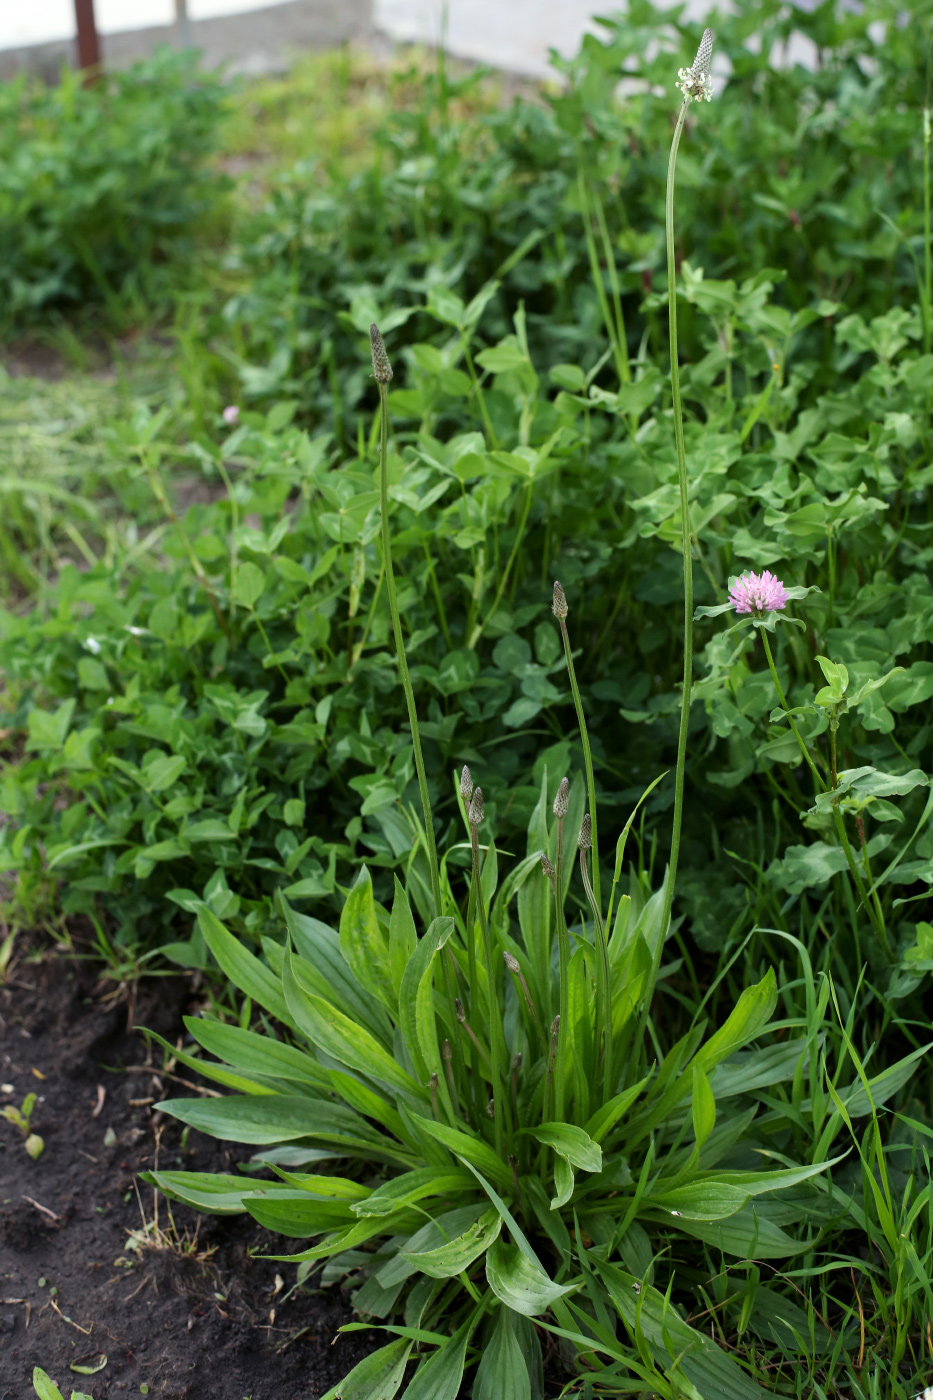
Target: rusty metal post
x,y
88,41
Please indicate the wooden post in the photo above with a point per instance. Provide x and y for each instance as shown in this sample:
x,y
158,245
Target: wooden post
x,y
88,42
183,24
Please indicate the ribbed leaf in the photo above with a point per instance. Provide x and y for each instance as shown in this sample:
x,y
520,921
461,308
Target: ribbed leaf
x,y
472,1149
256,1054
416,1002
322,970
714,1373
280,1118
439,1377
752,1012
451,1258
502,1371
432,1235
573,1143
362,944
414,1186
519,1283
701,1200
377,1377
403,938
342,1038
242,967
296,1214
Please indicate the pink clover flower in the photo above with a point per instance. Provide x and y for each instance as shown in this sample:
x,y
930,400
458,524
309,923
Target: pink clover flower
x,y
758,594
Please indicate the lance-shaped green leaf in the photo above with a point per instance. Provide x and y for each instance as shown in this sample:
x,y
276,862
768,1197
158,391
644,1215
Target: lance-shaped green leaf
x,y
342,1038
220,1193
296,1214
473,1149
502,1370
416,1001
242,967
563,1183
278,1118
605,1118
520,1284
751,1014
449,1259
571,1142
410,1187
442,1230
377,1377
362,943
439,1377
257,1054
700,1200
711,1370
322,970
403,938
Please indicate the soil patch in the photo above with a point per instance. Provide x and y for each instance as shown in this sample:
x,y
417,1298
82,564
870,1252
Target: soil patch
x,y
211,1320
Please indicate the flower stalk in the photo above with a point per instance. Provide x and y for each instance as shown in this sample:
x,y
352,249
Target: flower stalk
x,y
382,371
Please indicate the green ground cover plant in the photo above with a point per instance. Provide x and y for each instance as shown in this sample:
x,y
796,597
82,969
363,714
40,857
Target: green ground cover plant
x,y
208,738
101,186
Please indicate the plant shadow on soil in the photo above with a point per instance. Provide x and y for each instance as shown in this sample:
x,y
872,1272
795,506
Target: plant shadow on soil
x,y
70,1291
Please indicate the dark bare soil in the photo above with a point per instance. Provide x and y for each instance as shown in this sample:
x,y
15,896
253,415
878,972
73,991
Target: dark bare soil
x,y
210,1322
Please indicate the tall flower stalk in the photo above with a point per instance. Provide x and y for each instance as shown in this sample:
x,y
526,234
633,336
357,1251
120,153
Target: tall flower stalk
x,y
695,84
382,372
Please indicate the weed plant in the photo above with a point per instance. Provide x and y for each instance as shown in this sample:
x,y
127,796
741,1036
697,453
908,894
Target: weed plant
x,y
102,188
534,1152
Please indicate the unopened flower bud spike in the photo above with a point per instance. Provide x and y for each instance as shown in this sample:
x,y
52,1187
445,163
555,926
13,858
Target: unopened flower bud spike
x,y
514,967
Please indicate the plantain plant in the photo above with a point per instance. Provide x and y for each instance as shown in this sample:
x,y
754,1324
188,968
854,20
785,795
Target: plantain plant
x,y
506,1143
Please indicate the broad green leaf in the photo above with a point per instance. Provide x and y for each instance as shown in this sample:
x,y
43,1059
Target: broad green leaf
x,y
436,1232
714,1373
46,1389
321,969
563,1182
296,1214
502,1372
520,1284
451,1258
704,1105
439,1377
748,1235
279,1118
362,943
700,1200
377,1377
411,1187
257,1054
416,1002
250,582
571,1142
472,1149
217,1192
243,968
342,1038
752,1013
403,938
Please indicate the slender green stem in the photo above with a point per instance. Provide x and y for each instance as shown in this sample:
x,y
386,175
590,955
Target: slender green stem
x,y
587,756
928,251
684,534
496,1047
817,776
400,649
603,984
477,630
876,918
563,980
